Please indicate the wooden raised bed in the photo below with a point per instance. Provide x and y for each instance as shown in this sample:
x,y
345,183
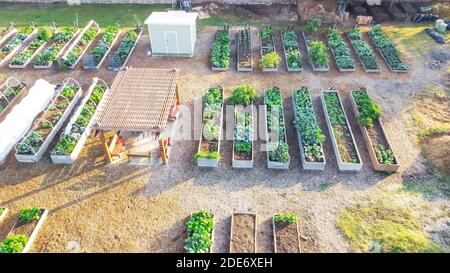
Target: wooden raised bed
x,y
375,135
212,162
286,237
334,56
60,52
239,161
29,229
15,100
90,24
286,54
315,69
16,48
218,68
37,50
308,165
264,50
36,156
362,63
7,35
384,58
243,233
246,51
113,42
347,138
3,214
70,158
139,33
212,234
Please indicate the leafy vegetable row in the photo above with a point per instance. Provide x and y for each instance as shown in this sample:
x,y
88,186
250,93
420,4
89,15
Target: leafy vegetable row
x,y
290,43
200,228
340,50
49,55
363,50
387,48
221,49
45,34
105,43
307,127
269,58
16,41
75,54
126,45
9,94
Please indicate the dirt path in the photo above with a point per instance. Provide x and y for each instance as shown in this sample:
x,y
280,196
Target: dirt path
x,y
98,208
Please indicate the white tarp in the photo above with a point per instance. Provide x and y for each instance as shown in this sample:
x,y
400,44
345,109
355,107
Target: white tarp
x,y
19,120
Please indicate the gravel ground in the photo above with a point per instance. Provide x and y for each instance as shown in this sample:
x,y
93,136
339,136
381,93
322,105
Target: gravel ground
x,y
99,208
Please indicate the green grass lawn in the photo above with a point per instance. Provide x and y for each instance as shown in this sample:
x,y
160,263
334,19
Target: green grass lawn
x,y
63,14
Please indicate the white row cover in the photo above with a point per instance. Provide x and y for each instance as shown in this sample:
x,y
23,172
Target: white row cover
x,y
20,119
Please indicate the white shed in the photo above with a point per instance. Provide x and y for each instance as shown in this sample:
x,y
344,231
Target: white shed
x,y
172,33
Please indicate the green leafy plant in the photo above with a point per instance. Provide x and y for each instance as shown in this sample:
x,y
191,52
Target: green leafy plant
x,y
384,156
368,111
221,49
363,50
270,60
49,55
207,155
28,215
340,50
387,48
13,243
318,54
243,95
75,54
105,43
312,26
290,43
290,218
45,34
200,228
213,96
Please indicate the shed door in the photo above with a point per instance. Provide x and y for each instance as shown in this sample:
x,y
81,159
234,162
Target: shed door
x,y
171,42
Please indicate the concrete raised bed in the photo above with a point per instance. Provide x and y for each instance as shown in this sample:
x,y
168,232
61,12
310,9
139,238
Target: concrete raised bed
x,y
343,166
275,69
106,53
38,155
212,234
23,93
233,234
3,214
362,63
369,143
15,66
274,164
129,54
245,69
384,58
275,235
315,69
70,158
14,51
318,166
61,51
213,162
289,69
5,37
245,164
75,43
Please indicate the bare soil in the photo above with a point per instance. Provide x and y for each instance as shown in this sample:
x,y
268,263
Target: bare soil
x,y
286,235
243,239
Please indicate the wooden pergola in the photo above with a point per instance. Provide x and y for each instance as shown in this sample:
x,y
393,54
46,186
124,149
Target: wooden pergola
x,y
139,100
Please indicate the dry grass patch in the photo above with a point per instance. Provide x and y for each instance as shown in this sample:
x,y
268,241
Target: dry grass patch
x,y
383,227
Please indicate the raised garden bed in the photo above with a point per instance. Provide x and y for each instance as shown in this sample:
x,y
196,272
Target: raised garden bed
x,y
270,59
208,154
344,145
292,55
374,135
37,140
244,50
340,51
12,92
277,149
387,50
317,54
243,233
20,61
120,58
24,231
63,39
3,212
285,233
6,33
13,45
79,126
104,46
200,233
243,97
221,50
310,136
363,51
81,44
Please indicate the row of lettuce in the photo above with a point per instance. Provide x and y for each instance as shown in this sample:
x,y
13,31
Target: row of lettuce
x,y
51,42
317,50
310,135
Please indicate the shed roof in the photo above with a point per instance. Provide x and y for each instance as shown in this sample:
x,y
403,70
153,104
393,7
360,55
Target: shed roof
x,y
138,100
172,17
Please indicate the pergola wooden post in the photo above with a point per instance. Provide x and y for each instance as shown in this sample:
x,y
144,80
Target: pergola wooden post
x,y
139,100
